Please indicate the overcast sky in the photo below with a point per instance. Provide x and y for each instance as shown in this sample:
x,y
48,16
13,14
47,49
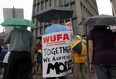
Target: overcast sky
x,y
104,7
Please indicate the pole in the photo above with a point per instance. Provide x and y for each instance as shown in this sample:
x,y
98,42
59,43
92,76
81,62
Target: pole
x,y
13,12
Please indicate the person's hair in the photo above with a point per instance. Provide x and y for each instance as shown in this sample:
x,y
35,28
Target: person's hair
x,y
55,18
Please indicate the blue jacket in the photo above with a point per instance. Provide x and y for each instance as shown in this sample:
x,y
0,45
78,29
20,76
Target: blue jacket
x,y
3,52
55,28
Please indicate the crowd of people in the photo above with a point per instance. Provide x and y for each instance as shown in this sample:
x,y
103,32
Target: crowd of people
x,y
21,54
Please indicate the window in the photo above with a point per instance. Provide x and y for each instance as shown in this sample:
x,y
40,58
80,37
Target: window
x,y
46,4
74,23
37,7
67,5
34,1
34,10
50,3
42,5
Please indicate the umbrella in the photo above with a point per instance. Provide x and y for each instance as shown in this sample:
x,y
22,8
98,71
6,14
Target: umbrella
x,y
17,22
46,15
105,20
78,44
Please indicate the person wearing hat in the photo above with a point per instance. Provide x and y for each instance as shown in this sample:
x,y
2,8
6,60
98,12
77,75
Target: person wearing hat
x,y
56,27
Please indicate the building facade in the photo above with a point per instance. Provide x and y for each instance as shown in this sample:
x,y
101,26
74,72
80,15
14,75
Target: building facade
x,y
82,9
113,4
113,7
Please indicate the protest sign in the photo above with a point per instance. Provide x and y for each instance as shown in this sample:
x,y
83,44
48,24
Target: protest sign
x,y
56,54
69,26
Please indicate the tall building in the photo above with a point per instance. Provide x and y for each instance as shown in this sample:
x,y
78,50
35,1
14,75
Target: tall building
x,y
113,7
82,9
12,13
113,2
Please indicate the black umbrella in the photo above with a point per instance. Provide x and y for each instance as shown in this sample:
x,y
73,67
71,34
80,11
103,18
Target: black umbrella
x,y
103,20
47,14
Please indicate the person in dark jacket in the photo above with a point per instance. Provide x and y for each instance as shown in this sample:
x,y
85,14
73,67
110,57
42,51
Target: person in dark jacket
x,y
102,52
22,43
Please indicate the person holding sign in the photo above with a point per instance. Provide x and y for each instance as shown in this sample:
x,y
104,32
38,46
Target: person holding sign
x,y
55,27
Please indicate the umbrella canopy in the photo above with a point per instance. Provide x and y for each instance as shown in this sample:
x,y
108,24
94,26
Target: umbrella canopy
x,y
17,22
78,44
105,20
46,15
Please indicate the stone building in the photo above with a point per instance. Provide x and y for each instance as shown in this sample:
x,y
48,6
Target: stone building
x,y
82,9
113,7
